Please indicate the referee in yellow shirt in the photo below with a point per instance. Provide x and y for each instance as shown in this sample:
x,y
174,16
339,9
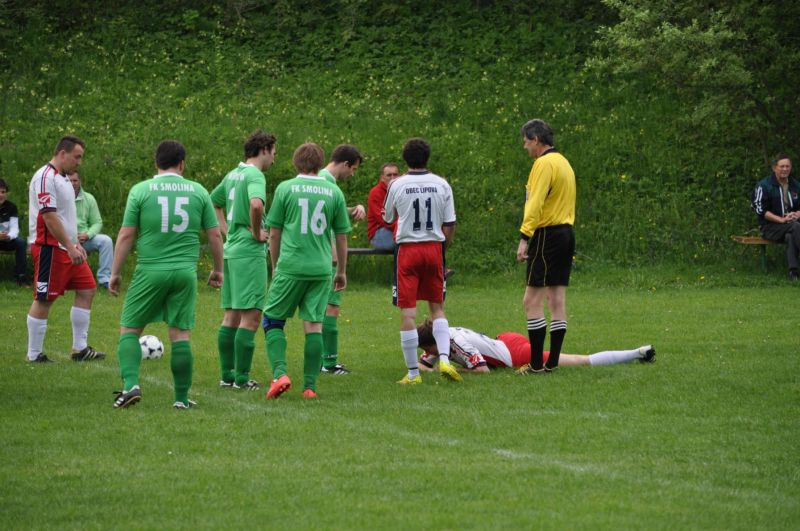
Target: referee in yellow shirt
x,y
547,242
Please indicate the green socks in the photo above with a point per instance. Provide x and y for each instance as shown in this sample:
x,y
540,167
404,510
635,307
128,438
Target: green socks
x,y
181,365
312,360
276,351
225,345
129,353
330,339
244,345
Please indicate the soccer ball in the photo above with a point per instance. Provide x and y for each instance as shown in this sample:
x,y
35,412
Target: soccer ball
x,y
152,347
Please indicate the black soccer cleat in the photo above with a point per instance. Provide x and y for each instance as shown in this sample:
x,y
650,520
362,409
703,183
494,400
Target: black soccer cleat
x,y
250,385
188,405
41,358
337,369
127,398
88,354
648,354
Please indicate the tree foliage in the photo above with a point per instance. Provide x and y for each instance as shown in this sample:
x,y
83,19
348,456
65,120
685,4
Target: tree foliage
x,y
732,64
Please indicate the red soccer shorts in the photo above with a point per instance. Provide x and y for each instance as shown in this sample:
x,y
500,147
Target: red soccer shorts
x,y
54,273
519,347
419,274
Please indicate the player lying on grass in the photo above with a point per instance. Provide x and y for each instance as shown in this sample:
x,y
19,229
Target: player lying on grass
x,y
476,352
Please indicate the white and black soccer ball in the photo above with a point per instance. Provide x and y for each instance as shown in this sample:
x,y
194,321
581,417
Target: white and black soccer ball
x,y
152,347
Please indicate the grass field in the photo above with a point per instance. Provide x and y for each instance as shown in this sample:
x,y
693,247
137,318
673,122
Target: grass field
x,y
707,437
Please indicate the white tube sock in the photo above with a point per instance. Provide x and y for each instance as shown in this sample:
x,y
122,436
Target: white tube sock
x,y
36,331
80,327
612,357
441,334
409,340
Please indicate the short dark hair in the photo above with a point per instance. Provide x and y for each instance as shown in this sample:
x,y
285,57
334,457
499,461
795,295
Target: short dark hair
x,y
539,129
389,164
416,153
4,185
68,143
425,333
346,153
257,141
308,158
169,154
779,157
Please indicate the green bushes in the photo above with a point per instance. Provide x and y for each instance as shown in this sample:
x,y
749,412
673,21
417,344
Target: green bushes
x,y
464,75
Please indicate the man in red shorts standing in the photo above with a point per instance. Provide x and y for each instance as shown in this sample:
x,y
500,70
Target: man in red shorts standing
x,y
422,204
59,262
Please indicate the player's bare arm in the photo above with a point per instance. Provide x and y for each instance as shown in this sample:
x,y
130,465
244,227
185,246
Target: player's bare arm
x,y
357,213
54,225
274,245
340,279
215,243
219,212
126,238
449,232
522,251
256,213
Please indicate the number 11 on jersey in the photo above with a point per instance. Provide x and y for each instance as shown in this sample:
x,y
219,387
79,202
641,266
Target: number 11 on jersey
x,y
417,224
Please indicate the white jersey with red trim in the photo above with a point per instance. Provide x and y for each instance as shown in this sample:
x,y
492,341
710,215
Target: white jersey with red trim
x,y
51,191
471,349
421,202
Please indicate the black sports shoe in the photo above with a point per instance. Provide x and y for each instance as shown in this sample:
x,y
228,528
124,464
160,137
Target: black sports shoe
x,y
180,405
337,369
22,281
250,385
127,398
41,358
88,354
648,354
793,275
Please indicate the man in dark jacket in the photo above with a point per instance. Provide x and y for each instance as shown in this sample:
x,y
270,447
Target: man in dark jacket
x,y
776,200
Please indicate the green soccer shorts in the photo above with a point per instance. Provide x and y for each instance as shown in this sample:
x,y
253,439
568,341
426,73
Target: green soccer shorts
x,y
288,294
334,297
245,285
156,296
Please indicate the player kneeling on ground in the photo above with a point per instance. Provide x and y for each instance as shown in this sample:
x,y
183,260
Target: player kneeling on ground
x,y
476,352
303,214
163,217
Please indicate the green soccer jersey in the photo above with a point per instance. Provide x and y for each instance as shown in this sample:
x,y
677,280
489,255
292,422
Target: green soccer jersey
x,y
168,212
307,209
234,193
328,175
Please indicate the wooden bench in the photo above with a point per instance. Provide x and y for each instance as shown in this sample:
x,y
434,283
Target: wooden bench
x,y
367,250
756,240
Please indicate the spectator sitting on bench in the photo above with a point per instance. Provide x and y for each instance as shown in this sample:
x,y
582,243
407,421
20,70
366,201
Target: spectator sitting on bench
x,y
380,233
776,201
9,235
89,225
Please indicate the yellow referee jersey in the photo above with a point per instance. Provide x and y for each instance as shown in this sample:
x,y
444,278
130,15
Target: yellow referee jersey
x,y
549,194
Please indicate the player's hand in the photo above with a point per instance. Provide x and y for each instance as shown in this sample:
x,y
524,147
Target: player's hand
x,y
114,284
76,254
425,368
215,279
264,235
82,237
522,251
339,282
358,213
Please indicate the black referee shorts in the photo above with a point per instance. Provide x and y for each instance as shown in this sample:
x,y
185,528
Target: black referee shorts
x,y
550,252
